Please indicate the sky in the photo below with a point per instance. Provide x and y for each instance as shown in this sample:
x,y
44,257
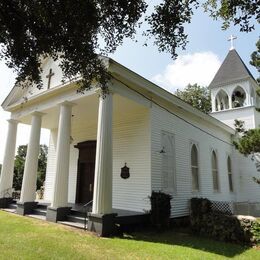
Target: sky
x,y
208,45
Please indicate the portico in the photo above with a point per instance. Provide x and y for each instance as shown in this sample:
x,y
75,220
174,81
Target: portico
x,y
74,118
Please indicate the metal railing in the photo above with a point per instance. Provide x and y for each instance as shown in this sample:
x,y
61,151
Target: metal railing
x,y
87,208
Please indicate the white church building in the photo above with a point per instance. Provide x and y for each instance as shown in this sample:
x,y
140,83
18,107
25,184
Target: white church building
x,y
138,138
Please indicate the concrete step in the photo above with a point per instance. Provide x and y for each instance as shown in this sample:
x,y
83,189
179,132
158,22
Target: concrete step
x,y
42,206
72,224
12,206
41,217
77,213
40,211
9,210
76,219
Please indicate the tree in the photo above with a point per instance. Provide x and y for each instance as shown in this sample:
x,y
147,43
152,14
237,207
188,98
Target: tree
x,y
248,144
255,59
72,31
19,166
42,164
197,96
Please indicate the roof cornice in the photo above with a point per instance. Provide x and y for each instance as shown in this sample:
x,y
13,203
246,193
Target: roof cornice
x,y
152,90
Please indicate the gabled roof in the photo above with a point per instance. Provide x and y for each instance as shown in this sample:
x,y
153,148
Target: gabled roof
x,y
232,69
133,81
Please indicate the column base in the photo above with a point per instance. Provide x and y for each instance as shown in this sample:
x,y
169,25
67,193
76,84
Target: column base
x,y
57,214
102,224
4,202
25,208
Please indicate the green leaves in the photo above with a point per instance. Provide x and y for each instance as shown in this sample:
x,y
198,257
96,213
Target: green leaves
x,y
69,30
249,143
197,96
78,31
237,12
255,61
167,24
19,166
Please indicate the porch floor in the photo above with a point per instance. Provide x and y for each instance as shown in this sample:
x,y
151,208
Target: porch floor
x,y
77,217
79,208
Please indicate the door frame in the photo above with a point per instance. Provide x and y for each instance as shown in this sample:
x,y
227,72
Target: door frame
x,y
81,146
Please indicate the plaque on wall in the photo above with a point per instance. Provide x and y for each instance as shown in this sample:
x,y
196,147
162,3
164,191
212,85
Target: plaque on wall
x,y
125,172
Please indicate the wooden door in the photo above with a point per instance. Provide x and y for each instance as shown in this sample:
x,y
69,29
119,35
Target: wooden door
x,y
86,170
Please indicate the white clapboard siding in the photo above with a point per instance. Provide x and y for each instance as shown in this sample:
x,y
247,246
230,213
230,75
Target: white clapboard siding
x,y
185,135
73,168
245,168
51,166
246,114
131,145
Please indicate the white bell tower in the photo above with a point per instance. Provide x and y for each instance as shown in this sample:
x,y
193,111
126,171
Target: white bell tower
x,y
233,92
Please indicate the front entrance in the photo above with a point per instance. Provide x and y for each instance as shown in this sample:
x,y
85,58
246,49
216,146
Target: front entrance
x,y
86,170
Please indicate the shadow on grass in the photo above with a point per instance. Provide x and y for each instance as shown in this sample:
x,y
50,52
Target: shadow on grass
x,y
175,237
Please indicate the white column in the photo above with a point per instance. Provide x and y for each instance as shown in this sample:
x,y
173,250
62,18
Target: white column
x,y
218,104
6,178
31,161
213,102
60,194
230,101
102,199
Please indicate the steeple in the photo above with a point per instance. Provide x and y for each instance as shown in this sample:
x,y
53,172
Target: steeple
x,y
233,92
233,69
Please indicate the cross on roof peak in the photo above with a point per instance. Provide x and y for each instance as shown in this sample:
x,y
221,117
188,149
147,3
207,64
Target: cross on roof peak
x,y
231,39
49,78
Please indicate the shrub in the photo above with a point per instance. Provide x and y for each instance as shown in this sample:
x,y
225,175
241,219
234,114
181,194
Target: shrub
x,y
239,229
200,206
256,231
160,209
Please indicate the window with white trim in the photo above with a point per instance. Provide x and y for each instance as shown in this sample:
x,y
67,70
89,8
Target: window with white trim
x,y
214,165
168,162
194,168
230,178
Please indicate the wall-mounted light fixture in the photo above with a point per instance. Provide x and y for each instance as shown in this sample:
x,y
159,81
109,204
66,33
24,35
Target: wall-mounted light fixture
x,y
163,150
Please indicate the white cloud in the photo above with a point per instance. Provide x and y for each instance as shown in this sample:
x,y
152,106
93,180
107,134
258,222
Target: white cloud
x,y
199,67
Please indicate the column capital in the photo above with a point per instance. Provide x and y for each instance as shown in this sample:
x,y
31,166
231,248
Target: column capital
x,y
67,103
37,113
101,93
14,121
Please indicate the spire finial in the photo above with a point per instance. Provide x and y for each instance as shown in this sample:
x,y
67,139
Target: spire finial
x,y
231,39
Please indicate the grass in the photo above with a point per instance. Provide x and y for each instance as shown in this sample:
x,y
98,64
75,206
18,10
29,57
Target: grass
x,y
26,238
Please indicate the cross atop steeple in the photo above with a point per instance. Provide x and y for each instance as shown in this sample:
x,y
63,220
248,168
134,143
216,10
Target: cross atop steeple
x,y
231,39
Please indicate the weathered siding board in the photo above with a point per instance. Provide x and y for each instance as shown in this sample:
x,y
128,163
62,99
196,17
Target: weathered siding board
x,y
184,133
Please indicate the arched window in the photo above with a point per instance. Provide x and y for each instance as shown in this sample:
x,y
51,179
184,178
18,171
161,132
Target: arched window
x,y
214,165
238,97
168,162
194,168
230,179
222,100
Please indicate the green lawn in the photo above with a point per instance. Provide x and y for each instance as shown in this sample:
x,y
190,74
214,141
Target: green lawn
x,y
26,238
